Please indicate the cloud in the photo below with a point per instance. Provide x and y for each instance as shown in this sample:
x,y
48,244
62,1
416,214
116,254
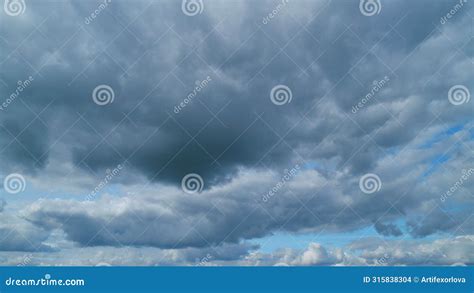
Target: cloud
x,y
3,203
167,217
366,251
373,251
444,251
229,131
149,80
17,235
387,229
126,256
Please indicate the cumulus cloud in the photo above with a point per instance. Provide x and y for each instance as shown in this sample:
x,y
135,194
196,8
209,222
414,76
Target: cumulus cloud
x,y
366,251
168,217
374,251
444,251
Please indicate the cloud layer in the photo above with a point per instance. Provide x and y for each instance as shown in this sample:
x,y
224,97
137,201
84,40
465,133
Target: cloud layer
x,y
193,94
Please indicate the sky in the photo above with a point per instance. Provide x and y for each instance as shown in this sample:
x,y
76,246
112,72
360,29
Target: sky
x,y
242,133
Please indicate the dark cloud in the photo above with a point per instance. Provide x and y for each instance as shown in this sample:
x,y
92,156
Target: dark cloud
x,y
154,63
389,229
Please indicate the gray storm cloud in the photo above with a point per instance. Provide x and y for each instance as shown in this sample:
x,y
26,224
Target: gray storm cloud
x,y
191,94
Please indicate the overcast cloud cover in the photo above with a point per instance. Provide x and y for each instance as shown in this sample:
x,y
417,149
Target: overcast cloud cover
x,y
368,160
